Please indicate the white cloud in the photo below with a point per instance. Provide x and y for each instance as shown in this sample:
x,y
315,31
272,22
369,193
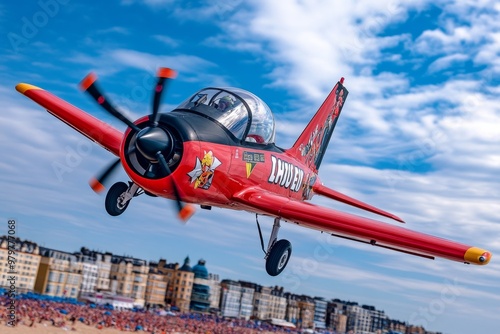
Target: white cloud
x,y
115,29
167,40
153,3
446,61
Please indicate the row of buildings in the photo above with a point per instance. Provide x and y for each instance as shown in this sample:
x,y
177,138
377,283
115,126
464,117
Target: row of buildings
x,y
125,281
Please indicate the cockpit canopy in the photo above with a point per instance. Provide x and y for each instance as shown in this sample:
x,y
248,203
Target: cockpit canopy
x,y
246,116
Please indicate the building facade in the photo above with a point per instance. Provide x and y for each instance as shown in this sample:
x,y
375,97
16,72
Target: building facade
x,y
237,299
320,305
88,269
215,290
156,287
180,284
358,319
59,274
292,308
100,274
277,302
306,311
27,261
129,278
200,295
336,318
261,302
230,299
246,301
379,321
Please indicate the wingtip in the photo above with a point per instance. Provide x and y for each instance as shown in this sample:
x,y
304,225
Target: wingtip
x,y
477,255
396,218
24,87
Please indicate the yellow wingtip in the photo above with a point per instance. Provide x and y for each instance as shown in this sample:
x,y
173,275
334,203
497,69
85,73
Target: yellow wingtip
x,y
477,256
23,87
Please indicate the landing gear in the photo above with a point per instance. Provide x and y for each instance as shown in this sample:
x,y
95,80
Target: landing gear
x,y
119,196
278,251
278,257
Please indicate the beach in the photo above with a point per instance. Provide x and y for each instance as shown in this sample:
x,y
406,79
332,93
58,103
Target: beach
x,y
51,317
47,328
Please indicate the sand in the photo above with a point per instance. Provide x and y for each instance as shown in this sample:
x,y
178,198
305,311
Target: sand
x,y
49,329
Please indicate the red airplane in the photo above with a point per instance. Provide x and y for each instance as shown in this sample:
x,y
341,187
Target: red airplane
x,y
217,149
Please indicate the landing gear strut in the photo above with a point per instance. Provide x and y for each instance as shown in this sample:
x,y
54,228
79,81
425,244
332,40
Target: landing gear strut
x,y
278,251
119,196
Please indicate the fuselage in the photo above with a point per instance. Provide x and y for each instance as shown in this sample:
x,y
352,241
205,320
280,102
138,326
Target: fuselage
x,y
213,164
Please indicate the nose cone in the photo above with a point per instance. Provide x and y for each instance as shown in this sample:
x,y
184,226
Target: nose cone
x,y
477,256
153,140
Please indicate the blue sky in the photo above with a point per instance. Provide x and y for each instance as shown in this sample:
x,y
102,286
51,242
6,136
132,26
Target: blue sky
x,y
418,135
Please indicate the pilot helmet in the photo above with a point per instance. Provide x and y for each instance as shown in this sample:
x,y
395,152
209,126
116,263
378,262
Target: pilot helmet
x,y
225,103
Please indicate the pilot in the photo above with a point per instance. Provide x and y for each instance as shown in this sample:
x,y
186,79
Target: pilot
x,y
225,103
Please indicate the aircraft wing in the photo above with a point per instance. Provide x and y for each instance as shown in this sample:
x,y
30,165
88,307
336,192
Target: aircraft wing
x,y
360,229
89,126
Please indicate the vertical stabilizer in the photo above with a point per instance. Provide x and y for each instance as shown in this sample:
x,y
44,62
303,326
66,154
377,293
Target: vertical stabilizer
x,y
310,147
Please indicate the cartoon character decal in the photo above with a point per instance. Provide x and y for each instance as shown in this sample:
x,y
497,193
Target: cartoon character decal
x,y
203,172
307,194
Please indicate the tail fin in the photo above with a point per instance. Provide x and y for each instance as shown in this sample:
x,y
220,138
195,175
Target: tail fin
x,y
312,143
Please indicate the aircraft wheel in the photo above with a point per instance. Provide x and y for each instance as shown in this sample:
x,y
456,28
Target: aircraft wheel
x,y
113,206
278,257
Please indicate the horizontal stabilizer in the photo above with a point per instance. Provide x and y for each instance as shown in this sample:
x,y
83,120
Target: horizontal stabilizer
x,y
335,195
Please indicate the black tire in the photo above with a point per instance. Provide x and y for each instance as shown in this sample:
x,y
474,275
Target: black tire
x,y
278,257
112,197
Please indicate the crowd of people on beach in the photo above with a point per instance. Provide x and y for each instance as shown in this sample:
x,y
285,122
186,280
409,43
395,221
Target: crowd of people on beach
x,y
33,313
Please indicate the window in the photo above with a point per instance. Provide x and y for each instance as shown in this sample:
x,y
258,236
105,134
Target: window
x,y
234,108
53,276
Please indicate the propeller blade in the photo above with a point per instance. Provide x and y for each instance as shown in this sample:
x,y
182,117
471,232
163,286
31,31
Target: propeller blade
x,y
97,183
88,84
163,74
185,211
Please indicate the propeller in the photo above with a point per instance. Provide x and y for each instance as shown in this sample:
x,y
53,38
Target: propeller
x,y
97,183
152,142
88,85
185,211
